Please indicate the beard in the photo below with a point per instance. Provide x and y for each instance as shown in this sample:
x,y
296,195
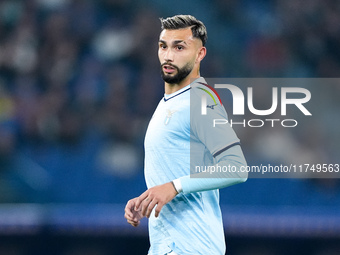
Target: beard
x,y
181,74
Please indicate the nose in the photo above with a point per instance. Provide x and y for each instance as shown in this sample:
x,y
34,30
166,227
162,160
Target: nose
x,y
168,55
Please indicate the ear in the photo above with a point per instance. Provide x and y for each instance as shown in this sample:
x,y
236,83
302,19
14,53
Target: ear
x,y
201,54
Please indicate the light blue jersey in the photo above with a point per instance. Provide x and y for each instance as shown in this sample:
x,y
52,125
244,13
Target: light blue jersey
x,y
192,222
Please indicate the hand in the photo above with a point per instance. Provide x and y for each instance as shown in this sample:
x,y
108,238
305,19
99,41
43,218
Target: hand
x,y
133,217
158,195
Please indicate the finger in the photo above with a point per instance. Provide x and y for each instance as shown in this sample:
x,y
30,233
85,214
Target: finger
x,y
128,213
129,204
150,208
128,208
129,216
136,217
133,223
145,205
140,200
158,209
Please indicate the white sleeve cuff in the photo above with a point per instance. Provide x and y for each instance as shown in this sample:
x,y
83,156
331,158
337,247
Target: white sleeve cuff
x,y
178,185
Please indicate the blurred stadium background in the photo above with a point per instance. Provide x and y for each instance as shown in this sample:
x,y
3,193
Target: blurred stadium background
x,y
79,80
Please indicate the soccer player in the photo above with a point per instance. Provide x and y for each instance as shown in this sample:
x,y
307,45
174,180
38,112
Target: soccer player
x,y
182,205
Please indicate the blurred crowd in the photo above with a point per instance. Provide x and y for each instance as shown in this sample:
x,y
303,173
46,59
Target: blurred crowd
x,y
77,71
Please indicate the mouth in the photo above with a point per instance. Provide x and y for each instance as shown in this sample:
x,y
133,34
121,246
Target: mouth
x,y
168,68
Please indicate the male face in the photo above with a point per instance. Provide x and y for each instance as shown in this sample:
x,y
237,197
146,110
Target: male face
x,y
178,53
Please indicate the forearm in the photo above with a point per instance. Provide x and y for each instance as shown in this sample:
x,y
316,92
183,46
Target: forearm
x,y
232,161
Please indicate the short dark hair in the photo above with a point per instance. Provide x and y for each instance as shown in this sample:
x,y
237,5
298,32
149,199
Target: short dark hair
x,y
183,21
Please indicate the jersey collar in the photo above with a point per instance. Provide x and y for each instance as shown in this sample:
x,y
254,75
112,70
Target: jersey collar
x,y
182,90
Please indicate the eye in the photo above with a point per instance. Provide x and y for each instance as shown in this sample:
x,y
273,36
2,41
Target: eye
x,y
179,47
162,46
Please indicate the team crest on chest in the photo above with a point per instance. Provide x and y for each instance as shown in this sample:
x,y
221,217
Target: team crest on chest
x,y
168,116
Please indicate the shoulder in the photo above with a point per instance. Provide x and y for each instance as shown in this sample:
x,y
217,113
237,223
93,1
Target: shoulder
x,y
200,89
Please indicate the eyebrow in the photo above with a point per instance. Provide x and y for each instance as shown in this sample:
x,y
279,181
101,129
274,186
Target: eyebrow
x,y
174,43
